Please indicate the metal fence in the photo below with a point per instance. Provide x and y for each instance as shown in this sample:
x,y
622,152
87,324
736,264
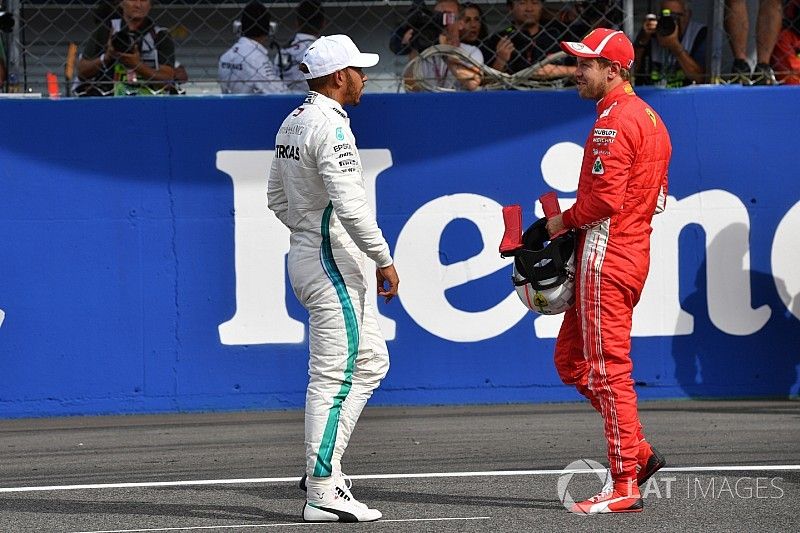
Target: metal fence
x,y
47,38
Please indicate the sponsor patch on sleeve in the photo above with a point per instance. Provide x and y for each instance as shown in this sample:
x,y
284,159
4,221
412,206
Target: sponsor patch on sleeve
x,y
603,132
651,115
597,166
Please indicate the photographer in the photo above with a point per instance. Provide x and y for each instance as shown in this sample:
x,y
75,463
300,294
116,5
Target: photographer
x,y
128,55
400,40
444,27
671,48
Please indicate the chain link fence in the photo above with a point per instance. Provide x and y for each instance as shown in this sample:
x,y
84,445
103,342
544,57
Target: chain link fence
x,y
46,46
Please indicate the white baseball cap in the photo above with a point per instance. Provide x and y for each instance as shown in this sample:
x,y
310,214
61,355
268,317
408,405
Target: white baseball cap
x,y
334,52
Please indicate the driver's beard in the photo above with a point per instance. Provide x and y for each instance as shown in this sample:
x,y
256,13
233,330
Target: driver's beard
x,y
352,93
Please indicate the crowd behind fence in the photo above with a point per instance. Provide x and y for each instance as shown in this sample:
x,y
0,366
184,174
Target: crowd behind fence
x,y
56,46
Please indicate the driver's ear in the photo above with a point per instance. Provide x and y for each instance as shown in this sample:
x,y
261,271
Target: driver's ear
x,y
338,77
615,68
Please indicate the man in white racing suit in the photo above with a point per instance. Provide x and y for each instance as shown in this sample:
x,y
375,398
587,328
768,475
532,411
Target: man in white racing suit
x,y
246,68
316,189
310,21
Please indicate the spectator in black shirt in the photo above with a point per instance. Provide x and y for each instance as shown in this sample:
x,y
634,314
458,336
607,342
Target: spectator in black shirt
x,y
526,42
127,54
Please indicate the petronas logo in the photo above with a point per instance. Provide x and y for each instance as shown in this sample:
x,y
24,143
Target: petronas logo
x,y
597,168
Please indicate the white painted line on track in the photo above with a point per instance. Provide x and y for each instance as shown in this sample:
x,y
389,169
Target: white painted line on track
x,y
154,484
762,468
242,526
493,473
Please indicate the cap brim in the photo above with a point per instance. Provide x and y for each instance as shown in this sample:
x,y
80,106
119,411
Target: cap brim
x,y
578,49
363,60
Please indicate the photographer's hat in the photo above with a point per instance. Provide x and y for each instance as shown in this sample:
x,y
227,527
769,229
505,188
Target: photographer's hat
x,y
609,44
334,52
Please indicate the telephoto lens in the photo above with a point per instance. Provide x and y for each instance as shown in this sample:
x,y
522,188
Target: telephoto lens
x,y
123,42
666,23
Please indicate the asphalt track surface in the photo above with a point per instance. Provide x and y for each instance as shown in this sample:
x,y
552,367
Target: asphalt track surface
x,y
733,466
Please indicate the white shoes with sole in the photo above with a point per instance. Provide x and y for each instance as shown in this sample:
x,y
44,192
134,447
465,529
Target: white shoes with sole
x,y
333,502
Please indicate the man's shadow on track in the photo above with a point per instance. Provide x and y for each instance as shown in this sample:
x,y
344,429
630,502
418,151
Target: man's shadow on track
x,y
373,494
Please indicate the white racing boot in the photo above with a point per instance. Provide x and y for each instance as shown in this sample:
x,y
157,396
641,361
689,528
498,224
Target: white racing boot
x,y
330,500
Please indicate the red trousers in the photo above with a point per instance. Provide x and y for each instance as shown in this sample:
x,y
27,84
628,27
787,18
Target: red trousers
x,y
593,347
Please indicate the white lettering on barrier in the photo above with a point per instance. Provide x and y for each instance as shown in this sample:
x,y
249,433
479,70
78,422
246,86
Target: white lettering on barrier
x,y
726,224
262,241
374,162
785,258
261,244
561,170
417,257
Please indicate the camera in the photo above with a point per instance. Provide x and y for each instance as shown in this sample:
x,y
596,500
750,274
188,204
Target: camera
x,y
427,26
6,21
123,41
667,22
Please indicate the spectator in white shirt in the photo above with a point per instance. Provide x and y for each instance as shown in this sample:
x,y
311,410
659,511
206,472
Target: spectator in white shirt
x,y
246,67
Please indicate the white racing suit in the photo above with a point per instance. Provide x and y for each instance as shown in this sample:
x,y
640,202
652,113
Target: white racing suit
x,y
247,69
288,59
316,189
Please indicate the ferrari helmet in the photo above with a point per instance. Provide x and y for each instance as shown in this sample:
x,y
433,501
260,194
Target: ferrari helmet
x,y
544,270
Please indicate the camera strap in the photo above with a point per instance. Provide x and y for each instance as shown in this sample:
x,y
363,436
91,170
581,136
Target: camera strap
x,y
148,53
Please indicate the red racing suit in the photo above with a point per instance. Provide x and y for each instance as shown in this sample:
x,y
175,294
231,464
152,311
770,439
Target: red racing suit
x,y
623,183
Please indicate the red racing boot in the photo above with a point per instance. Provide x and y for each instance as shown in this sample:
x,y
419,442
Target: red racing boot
x,y
621,497
649,462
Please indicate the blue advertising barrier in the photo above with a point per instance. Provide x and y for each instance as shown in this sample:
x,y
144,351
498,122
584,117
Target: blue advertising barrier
x,y
142,272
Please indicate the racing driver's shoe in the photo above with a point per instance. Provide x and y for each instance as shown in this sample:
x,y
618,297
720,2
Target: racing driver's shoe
x,y
336,506
333,502
621,497
649,462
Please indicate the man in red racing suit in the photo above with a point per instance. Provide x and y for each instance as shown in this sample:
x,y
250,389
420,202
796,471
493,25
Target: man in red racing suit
x,y
623,183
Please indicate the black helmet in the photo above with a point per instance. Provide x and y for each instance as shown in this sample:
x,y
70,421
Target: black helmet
x,y
544,270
